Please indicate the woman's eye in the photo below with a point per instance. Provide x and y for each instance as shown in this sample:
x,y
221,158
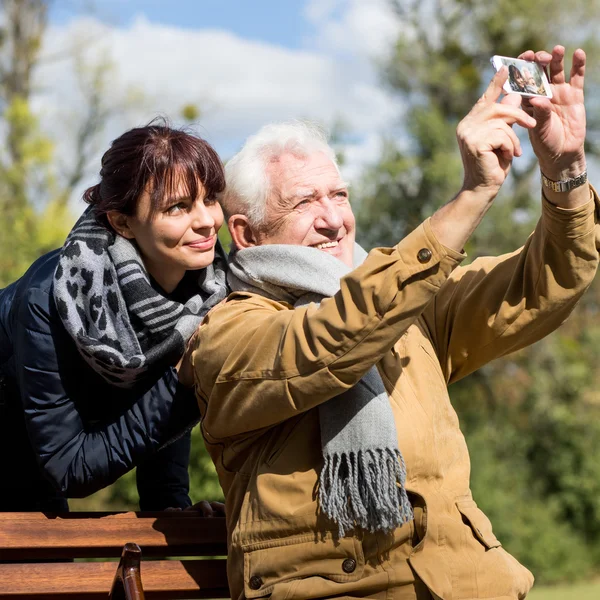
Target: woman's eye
x,y
175,208
210,200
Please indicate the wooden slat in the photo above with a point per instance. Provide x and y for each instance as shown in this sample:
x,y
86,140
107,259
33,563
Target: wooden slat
x,y
161,580
43,516
104,537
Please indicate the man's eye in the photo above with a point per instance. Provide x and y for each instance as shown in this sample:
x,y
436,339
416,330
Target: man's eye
x,y
341,194
303,203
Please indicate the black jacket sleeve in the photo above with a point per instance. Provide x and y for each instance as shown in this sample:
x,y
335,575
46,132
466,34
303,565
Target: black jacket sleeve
x,y
77,458
163,480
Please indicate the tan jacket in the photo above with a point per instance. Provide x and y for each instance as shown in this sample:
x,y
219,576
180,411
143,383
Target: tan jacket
x,y
262,368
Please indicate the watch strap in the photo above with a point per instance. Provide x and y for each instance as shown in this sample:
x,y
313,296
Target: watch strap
x,y
564,185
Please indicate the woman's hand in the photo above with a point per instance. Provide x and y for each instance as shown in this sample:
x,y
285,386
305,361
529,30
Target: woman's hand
x,y
206,508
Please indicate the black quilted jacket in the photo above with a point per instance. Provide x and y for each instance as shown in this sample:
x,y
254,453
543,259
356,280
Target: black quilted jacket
x,y
62,424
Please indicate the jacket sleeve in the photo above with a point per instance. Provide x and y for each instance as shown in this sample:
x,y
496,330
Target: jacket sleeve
x,y
258,363
80,459
162,478
497,305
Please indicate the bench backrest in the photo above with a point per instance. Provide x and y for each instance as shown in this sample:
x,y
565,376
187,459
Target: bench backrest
x,y
198,543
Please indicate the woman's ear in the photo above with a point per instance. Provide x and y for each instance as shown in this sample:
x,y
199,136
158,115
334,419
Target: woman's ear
x,y
242,233
119,222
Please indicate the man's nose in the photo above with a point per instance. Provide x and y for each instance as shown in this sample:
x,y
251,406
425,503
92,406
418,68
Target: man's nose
x,y
330,215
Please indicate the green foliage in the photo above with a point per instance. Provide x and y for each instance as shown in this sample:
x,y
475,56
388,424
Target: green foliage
x,y
190,112
204,484
36,218
532,420
582,591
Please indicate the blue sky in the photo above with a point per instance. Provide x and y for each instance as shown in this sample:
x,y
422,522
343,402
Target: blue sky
x,y
244,63
280,22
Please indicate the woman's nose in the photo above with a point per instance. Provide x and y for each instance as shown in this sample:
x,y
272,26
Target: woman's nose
x,y
202,218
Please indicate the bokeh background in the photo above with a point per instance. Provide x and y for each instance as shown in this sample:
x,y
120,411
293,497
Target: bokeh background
x,y
390,79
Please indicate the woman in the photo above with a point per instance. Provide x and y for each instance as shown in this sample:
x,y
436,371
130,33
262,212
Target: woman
x,y
91,335
515,77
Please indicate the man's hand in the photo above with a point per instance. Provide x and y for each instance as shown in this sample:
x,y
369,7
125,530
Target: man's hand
x,y
487,146
487,141
558,139
559,136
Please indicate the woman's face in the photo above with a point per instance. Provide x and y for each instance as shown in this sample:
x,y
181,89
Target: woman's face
x,y
180,236
518,77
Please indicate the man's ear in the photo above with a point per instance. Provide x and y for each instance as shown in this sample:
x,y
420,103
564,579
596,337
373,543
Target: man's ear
x,y
119,222
242,233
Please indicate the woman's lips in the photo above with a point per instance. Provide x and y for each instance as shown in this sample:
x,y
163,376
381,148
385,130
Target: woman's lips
x,y
204,244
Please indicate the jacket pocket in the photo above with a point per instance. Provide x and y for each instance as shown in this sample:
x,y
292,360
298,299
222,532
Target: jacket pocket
x,y
479,523
272,562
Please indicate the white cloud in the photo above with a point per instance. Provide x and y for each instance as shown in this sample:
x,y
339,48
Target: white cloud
x,y
364,30
239,84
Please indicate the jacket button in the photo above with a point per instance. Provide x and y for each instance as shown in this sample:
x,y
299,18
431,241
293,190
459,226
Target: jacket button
x,y
349,565
255,582
424,255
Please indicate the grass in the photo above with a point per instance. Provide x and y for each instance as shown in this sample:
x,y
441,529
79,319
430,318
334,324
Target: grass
x,y
579,591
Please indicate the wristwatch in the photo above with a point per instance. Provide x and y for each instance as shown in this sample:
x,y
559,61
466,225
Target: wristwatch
x,y
565,185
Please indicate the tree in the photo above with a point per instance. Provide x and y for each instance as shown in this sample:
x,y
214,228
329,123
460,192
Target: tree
x,y
532,420
34,193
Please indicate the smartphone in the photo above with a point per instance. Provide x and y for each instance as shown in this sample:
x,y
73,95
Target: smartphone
x,y
524,77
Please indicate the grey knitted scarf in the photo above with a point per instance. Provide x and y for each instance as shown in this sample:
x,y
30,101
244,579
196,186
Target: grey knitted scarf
x,y
361,483
122,325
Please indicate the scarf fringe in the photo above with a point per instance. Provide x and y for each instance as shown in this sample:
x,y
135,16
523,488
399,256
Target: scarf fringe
x,y
365,490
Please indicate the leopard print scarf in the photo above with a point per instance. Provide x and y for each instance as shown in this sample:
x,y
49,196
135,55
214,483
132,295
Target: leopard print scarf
x,y
122,326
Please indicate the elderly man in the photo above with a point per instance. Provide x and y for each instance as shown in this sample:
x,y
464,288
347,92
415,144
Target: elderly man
x,y
531,84
322,381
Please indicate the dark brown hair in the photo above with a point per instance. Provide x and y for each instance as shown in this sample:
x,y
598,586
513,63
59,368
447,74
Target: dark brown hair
x,y
156,158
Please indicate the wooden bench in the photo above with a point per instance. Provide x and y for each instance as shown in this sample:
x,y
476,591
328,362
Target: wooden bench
x,y
199,543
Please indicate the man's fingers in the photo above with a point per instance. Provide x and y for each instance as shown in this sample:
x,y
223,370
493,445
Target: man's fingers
x,y
557,65
512,100
500,139
494,89
542,108
502,145
578,69
514,139
512,114
543,58
504,140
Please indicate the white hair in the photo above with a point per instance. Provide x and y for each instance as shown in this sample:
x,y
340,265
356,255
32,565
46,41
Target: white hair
x,y
247,183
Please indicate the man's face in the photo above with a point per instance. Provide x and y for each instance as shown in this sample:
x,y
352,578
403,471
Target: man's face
x,y
529,78
309,206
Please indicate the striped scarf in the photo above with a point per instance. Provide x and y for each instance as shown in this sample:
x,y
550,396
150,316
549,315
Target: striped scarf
x,y
361,482
122,326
